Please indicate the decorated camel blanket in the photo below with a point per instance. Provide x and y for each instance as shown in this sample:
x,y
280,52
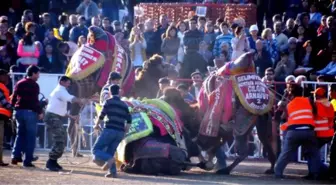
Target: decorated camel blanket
x,y
149,113
218,96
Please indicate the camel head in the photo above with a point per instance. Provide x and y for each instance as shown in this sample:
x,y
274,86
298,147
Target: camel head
x,y
243,64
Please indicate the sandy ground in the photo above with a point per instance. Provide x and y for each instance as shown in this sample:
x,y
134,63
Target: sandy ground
x,y
83,171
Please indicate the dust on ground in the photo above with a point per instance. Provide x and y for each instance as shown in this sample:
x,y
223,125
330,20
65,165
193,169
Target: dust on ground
x,y
82,171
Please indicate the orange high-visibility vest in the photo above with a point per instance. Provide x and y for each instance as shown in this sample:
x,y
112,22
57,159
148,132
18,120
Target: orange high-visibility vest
x,y
4,111
300,112
324,120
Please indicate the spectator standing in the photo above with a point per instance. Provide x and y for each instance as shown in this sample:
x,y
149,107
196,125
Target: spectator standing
x,y
138,47
106,25
270,44
182,28
170,45
65,27
6,61
45,27
88,9
290,30
116,25
262,59
254,36
201,24
117,114
56,116
111,8
28,52
27,113
192,59
79,30
281,38
225,37
239,43
5,110
203,50
210,35
95,21
20,27
152,38
7,39
315,16
73,20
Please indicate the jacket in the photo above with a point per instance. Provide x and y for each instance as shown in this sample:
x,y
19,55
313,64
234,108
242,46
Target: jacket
x,y
324,120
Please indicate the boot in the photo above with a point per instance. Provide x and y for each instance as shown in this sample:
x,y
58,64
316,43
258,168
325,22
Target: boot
x,y
52,165
59,166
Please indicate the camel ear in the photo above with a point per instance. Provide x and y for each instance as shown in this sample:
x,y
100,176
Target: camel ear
x,y
251,52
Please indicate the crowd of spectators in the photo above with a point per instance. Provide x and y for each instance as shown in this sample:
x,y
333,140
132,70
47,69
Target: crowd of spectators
x,y
296,42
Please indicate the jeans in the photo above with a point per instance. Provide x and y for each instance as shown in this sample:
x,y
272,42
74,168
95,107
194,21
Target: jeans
x,y
292,140
109,139
320,143
221,158
26,135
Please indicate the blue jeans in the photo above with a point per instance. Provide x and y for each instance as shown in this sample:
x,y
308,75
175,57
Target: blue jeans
x,y
221,158
26,135
292,140
109,139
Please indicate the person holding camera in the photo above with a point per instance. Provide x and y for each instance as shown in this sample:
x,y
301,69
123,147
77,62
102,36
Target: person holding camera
x,y
56,114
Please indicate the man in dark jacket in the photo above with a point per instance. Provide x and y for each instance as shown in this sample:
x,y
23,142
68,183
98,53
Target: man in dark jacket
x,y
192,60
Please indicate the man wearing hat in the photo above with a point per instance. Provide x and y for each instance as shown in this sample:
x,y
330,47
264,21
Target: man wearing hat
x,y
163,83
115,114
5,108
324,122
197,83
254,36
114,79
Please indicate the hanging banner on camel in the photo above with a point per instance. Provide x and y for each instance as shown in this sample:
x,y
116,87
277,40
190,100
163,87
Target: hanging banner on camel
x,y
253,93
84,62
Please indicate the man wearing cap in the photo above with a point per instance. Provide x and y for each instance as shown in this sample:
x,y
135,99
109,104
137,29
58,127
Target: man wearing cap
x,y
115,114
324,122
197,83
5,109
163,83
114,79
254,36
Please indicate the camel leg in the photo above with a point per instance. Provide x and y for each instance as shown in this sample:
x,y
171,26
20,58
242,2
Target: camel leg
x,y
264,129
241,144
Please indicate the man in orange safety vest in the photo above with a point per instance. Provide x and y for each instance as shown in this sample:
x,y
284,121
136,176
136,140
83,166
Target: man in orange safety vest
x,y
5,109
299,129
324,124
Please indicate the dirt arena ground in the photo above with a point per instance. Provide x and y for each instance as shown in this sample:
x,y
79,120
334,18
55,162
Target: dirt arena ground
x,y
249,172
